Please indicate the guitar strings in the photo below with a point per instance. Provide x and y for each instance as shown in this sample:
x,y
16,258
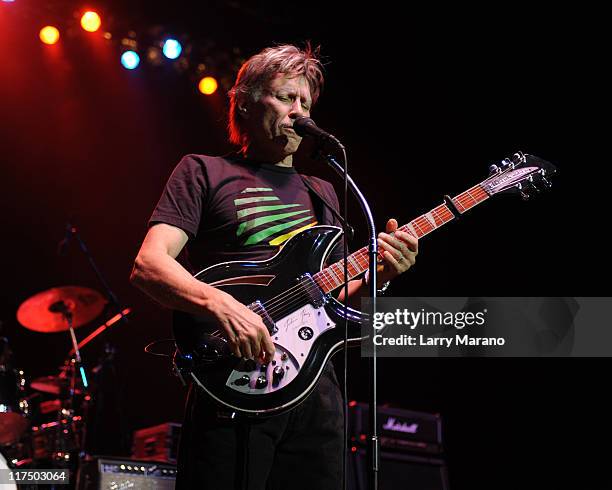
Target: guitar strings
x,y
288,297
295,294
298,292
282,303
462,199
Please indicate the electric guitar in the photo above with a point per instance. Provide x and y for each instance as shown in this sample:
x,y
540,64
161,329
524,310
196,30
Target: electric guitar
x,y
292,294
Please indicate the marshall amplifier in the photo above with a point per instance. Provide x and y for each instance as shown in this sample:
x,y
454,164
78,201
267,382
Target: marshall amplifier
x,y
116,474
398,429
398,471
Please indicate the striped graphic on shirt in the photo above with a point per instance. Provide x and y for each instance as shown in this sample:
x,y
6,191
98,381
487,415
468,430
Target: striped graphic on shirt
x,y
262,217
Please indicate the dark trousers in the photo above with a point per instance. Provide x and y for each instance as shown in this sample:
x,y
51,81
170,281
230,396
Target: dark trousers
x,y
301,449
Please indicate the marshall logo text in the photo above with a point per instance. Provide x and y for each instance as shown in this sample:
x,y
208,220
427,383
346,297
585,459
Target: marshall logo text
x,y
394,425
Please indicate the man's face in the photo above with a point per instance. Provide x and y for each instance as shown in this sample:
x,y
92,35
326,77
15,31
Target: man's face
x,y
270,119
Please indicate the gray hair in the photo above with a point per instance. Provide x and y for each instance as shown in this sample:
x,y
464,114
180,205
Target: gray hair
x,y
258,70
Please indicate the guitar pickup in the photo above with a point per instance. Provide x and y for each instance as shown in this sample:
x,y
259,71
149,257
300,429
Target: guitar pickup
x,y
258,308
312,290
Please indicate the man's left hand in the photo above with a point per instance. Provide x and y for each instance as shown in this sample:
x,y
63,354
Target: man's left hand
x,y
397,251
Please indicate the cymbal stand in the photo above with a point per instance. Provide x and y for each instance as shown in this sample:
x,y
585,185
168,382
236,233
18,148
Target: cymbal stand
x,y
62,307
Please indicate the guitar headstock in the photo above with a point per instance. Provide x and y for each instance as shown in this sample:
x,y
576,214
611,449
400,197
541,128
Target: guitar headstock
x,y
522,174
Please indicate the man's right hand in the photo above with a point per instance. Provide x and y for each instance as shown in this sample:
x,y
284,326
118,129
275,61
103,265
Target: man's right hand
x,y
244,329
157,272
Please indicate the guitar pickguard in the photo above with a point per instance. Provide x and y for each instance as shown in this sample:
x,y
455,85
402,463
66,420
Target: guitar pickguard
x,y
294,338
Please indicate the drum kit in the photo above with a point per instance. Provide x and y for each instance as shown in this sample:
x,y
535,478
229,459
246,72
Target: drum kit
x,y
42,423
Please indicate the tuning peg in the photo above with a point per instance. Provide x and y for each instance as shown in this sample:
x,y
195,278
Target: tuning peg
x,y
519,157
544,180
524,195
505,162
494,169
523,192
532,184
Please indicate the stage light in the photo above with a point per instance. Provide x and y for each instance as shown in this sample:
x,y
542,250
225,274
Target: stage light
x,y
130,60
49,35
90,21
172,49
208,85
154,56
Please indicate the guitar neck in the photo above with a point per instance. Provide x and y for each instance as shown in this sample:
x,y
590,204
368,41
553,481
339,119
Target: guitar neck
x,y
332,277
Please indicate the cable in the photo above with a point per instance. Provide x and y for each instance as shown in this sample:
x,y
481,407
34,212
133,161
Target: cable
x,y
148,348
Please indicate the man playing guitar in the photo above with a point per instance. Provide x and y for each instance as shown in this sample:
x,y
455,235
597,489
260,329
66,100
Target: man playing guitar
x,y
244,206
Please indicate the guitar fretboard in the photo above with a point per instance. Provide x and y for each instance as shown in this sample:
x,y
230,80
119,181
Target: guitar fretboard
x,y
332,277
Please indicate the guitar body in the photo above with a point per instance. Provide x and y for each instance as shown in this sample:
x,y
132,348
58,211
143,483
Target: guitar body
x,y
306,327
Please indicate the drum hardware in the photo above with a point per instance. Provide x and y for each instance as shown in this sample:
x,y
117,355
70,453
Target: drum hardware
x,y
50,406
58,442
14,407
109,323
52,385
62,398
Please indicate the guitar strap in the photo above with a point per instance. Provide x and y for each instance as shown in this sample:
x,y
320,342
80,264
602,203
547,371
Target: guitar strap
x,y
321,201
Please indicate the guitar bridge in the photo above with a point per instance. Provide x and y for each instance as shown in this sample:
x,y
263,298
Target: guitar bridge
x,y
307,288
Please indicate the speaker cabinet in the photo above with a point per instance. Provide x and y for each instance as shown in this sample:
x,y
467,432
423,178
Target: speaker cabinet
x,y
398,472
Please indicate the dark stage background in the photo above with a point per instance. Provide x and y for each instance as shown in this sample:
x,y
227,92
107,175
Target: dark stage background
x,y
424,100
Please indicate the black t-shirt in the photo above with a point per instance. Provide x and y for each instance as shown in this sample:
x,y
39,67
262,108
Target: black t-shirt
x,y
234,209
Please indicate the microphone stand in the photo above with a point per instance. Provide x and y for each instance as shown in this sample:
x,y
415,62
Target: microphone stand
x,y
121,313
373,446
113,299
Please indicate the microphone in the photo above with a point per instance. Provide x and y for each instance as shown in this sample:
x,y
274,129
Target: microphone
x,y
62,246
304,126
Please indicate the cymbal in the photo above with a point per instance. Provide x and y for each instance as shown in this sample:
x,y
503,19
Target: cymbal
x,y
53,385
45,311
